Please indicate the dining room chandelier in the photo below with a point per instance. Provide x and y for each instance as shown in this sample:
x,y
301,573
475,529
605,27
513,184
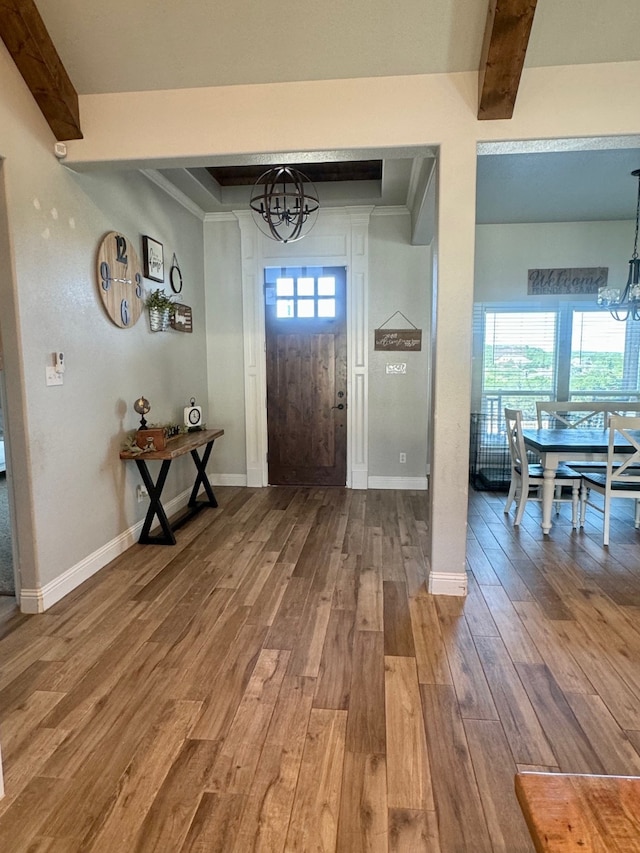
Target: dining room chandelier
x,y
623,304
284,204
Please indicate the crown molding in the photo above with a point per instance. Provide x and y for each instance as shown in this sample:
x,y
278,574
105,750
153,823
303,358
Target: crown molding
x,y
171,190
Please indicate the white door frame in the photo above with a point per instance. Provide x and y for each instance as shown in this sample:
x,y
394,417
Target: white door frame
x,y
340,238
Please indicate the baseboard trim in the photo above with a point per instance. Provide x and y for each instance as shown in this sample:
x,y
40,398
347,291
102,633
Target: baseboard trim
x,y
41,599
228,479
406,483
447,583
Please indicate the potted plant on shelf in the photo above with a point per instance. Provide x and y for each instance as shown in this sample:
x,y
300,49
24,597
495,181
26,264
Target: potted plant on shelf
x,y
160,307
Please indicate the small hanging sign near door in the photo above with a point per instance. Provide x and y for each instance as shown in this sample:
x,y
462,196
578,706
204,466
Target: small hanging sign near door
x,y
398,340
181,318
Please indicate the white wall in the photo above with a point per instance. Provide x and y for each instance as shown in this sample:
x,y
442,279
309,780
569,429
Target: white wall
x,y
505,253
399,280
74,495
225,352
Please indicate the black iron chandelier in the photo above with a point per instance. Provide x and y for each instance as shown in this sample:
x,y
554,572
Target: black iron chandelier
x,y
625,304
284,204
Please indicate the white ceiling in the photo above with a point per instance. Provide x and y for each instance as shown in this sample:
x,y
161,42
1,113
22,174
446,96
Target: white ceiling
x,y
133,45
559,186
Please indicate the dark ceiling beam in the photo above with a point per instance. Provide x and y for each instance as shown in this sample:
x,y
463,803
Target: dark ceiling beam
x,y
350,170
506,37
27,40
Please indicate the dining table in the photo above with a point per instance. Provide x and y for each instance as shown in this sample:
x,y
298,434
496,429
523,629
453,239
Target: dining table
x,y
569,445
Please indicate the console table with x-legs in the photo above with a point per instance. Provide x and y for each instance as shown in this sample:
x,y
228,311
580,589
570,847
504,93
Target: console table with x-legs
x,y
188,443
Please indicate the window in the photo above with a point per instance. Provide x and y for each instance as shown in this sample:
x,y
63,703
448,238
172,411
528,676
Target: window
x,y
305,295
564,352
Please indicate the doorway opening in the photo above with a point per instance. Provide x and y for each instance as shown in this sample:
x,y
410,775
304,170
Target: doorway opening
x,y
306,371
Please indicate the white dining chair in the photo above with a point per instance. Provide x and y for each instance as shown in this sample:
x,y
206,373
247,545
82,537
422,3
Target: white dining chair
x,y
619,479
527,476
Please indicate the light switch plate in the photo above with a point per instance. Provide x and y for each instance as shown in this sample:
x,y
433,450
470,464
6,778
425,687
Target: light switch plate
x,y
53,378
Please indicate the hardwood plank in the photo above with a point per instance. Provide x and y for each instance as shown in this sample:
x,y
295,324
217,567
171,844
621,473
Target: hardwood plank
x,y
508,577
480,564
461,821
398,635
408,775
29,762
196,659
495,769
614,691
366,724
541,589
431,657
561,664
392,562
102,677
515,637
527,739
307,652
314,816
477,612
264,822
137,687
345,593
410,831
167,822
263,611
18,726
233,678
334,677
154,634
613,747
285,626
240,750
568,741
123,813
472,690
369,609
363,824
25,817
415,569
215,825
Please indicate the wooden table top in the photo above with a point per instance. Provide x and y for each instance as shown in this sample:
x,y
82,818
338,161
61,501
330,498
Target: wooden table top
x,y
177,446
568,813
583,440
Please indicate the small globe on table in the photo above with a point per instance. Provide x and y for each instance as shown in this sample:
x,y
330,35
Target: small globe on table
x,y
142,407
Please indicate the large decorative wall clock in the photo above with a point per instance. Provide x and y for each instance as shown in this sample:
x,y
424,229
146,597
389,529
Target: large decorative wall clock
x,y
120,280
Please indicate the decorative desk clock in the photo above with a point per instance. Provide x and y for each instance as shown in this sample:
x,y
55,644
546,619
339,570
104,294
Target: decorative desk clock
x,y
193,416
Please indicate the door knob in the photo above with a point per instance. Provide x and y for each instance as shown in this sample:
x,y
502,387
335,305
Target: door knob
x,y
339,406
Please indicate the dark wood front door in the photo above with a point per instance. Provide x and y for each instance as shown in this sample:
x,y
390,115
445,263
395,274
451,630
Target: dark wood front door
x,y
306,375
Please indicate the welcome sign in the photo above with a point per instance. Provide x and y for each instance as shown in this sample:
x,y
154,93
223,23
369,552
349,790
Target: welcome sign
x,y
571,280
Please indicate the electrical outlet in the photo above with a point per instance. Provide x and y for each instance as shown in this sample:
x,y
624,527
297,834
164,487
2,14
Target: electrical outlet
x,y
141,493
51,377
403,458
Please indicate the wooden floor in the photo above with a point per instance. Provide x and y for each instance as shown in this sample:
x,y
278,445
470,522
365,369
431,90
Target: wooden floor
x,y
281,680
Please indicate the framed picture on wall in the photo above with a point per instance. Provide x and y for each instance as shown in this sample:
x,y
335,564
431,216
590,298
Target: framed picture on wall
x,y
153,259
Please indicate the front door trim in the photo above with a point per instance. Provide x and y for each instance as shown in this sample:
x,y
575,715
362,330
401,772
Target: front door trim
x,y
339,238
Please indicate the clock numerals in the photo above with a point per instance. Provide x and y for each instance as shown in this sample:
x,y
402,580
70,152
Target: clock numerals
x,y
121,249
119,279
105,275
